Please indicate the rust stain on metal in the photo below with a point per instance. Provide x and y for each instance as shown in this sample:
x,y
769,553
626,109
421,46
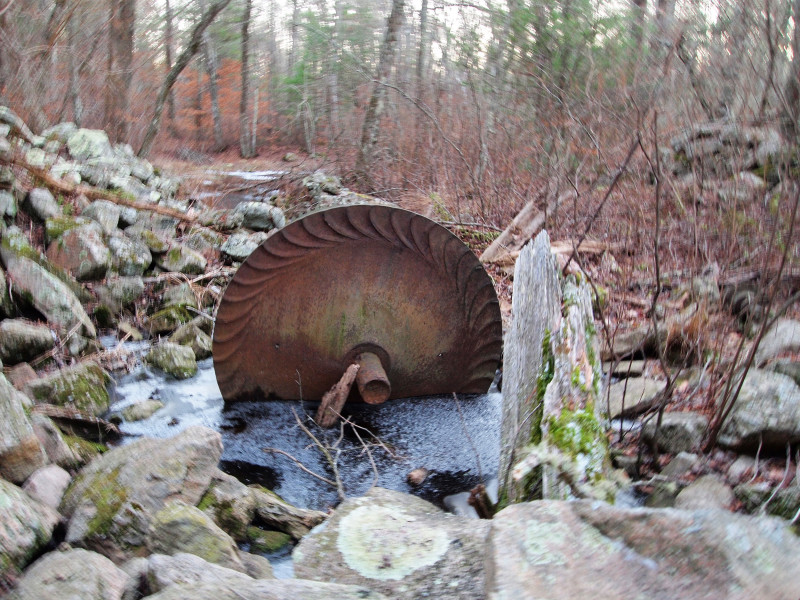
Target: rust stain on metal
x,y
375,283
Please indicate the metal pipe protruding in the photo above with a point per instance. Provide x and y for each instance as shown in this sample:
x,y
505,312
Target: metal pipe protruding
x,y
373,384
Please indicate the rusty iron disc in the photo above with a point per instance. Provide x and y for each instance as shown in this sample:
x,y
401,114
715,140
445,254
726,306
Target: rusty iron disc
x,y
354,279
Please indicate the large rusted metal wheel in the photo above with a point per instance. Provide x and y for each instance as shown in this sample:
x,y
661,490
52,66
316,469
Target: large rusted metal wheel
x,y
377,285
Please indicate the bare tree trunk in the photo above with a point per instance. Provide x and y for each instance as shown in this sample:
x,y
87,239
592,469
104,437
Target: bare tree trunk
x,y
212,68
639,22
198,104
376,107
246,140
74,74
120,68
791,100
191,49
295,51
168,42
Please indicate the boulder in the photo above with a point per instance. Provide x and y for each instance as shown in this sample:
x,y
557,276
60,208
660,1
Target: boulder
x,y
230,503
164,571
399,545
141,410
767,412
47,485
157,243
72,575
783,336
53,442
112,500
195,338
21,340
49,295
679,431
276,514
633,396
82,387
21,374
168,319
27,527
21,453
174,359
180,295
105,213
260,216
55,227
89,143
761,496
680,465
40,204
787,367
241,244
120,292
179,527
81,252
260,589
8,204
182,259
221,220
6,306
203,240
590,549
129,257
708,491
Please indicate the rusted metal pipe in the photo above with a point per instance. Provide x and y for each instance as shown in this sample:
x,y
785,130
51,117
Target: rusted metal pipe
x,y
373,384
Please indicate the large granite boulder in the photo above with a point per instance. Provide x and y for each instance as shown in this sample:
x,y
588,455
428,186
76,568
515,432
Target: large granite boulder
x,y
164,571
678,432
633,396
82,387
48,294
767,412
174,359
179,527
105,213
182,259
230,503
587,549
783,336
129,257
21,453
399,545
27,527
21,340
41,204
72,575
241,244
120,292
81,252
260,589
112,501
47,485
89,144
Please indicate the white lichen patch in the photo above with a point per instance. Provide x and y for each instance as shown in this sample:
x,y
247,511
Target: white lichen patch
x,y
388,544
542,540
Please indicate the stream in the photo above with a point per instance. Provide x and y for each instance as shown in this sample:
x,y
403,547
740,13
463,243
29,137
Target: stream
x,y
456,441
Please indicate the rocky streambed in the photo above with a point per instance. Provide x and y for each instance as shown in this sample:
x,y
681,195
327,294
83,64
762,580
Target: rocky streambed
x,y
145,485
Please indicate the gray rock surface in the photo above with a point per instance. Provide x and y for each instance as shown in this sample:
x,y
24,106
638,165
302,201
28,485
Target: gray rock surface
x,y
112,500
174,359
195,338
129,257
120,292
679,431
21,453
566,550
22,340
761,497
27,526
40,204
52,440
231,504
260,216
47,485
142,410
260,589
164,571
182,259
241,244
82,387
708,491
105,213
633,396
179,527
767,410
276,514
89,143
72,575
787,367
783,336
48,294
8,204
81,252
398,545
